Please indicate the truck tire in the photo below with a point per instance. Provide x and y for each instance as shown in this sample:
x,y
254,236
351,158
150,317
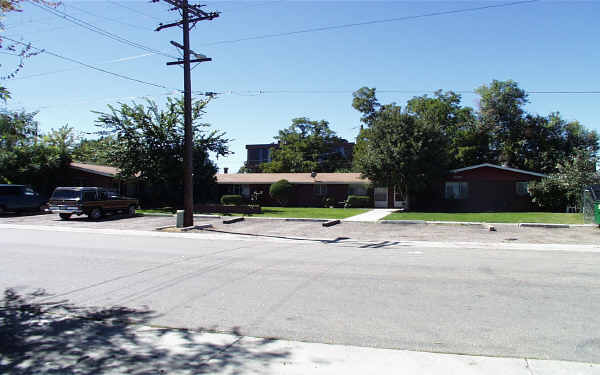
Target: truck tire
x,y
131,210
95,214
65,216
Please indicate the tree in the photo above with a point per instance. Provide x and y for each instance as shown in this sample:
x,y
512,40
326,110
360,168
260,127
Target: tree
x,y
306,146
281,191
148,145
400,149
94,151
458,124
565,187
25,157
501,112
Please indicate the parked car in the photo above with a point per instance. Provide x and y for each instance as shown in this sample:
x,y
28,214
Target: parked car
x,y
17,198
91,201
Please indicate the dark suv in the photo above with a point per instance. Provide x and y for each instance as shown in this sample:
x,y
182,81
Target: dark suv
x,y
91,201
17,198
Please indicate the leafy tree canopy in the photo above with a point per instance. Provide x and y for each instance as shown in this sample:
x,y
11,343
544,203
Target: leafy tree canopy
x,y
307,146
147,142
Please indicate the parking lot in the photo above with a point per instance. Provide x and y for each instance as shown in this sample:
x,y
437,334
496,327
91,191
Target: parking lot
x,y
345,230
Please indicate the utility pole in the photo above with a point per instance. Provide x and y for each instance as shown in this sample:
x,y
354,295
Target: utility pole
x,y
197,14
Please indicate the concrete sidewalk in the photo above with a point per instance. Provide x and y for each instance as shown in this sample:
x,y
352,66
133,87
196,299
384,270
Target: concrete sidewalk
x,y
372,215
235,354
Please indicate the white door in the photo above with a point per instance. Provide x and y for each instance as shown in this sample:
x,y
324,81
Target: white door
x,y
380,196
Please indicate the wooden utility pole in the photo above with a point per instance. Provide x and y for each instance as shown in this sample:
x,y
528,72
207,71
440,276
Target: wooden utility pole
x,y
197,15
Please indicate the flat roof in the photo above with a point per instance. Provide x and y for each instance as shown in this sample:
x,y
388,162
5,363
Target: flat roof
x,y
294,178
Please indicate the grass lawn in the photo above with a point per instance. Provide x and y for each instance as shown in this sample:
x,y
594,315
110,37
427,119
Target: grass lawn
x,y
297,212
309,212
492,217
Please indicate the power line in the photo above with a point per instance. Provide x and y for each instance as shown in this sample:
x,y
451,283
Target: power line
x,y
134,10
92,66
109,18
385,20
96,29
385,91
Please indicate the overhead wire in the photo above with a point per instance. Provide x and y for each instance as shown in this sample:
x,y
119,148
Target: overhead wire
x,y
110,18
91,66
372,22
98,30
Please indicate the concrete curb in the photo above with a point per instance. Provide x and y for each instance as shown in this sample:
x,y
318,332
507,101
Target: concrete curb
x,y
155,214
401,222
543,225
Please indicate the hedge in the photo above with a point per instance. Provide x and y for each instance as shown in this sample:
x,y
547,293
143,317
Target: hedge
x,y
235,200
358,201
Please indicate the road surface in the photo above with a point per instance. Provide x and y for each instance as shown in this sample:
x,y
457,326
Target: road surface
x,y
492,300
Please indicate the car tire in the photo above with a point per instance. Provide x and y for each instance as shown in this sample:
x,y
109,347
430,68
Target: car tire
x,y
2,210
131,211
65,216
95,214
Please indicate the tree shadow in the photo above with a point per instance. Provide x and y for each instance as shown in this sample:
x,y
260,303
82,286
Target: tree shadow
x,y
57,337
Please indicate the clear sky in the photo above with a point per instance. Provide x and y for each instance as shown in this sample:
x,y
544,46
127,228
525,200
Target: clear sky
x,y
543,45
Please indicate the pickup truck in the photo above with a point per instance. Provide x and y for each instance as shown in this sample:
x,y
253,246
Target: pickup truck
x,y
91,201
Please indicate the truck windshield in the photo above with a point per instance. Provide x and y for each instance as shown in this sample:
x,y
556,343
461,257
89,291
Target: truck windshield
x,y
66,194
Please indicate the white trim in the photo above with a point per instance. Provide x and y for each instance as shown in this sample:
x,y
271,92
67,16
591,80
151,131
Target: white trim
x,y
92,171
498,167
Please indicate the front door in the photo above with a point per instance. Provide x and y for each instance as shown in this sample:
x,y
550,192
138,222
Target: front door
x,y
380,196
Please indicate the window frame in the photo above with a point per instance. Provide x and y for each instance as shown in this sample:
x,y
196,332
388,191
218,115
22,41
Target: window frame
x,y
463,190
519,192
320,190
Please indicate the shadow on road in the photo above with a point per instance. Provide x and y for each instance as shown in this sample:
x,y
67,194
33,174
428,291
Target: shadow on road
x,y
38,336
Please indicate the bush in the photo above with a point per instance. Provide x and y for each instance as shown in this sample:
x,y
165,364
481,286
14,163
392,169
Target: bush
x,y
328,202
281,191
234,200
358,201
551,194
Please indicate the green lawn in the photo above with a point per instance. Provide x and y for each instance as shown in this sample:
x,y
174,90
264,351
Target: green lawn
x,y
492,217
309,212
155,211
296,212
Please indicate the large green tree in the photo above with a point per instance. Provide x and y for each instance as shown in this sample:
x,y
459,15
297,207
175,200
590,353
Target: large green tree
x,y
28,157
148,145
307,146
400,149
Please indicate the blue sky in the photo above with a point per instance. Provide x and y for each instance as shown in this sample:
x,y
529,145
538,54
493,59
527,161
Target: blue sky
x,y
543,45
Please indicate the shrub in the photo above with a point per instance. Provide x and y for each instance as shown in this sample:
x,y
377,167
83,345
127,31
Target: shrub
x,y
358,201
281,191
234,200
550,194
328,202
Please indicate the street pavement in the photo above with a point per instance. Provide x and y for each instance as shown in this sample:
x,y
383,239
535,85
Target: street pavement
x,y
495,300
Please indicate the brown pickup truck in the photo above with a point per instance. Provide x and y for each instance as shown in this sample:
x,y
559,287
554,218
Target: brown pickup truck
x,y
91,201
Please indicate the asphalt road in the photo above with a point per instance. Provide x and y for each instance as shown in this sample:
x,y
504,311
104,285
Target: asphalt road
x,y
488,301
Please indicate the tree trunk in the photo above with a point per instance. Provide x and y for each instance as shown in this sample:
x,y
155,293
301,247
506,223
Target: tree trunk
x,y
391,197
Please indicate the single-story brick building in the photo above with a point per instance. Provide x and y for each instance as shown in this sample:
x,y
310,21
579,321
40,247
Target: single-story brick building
x,y
309,189
84,174
478,188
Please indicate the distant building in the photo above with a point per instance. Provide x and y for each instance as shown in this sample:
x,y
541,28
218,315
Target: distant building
x,y
257,154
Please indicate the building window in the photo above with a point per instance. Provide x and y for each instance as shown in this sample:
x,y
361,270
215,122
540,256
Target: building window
x,y
522,188
357,189
320,189
235,189
456,190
